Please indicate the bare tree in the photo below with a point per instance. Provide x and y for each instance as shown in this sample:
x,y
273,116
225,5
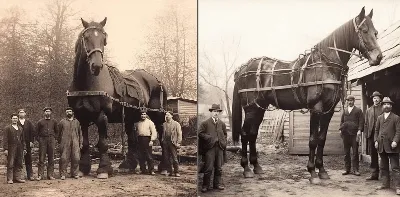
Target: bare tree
x,y
57,38
211,74
171,53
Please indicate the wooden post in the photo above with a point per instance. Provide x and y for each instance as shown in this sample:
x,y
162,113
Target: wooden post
x,y
364,108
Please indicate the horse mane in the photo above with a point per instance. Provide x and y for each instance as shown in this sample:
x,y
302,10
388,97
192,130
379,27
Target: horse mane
x,y
340,35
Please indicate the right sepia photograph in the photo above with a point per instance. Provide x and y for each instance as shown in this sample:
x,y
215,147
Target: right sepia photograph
x,y
298,98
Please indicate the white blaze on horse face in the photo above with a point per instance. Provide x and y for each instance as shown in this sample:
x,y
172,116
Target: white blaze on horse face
x,y
95,33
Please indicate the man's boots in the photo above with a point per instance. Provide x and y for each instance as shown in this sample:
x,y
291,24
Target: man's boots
x,y
374,175
206,182
218,183
385,181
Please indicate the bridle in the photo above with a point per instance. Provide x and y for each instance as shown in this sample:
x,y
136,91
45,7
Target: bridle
x,y
361,44
88,54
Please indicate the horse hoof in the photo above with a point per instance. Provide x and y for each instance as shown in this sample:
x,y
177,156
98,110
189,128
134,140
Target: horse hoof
x,y
80,174
258,170
248,174
102,176
315,181
323,175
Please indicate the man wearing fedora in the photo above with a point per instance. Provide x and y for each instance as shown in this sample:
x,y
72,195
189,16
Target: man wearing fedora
x,y
387,137
371,115
351,124
213,140
47,131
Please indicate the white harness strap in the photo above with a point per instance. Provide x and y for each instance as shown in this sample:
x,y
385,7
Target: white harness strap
x,y
357,28
272,84
258,74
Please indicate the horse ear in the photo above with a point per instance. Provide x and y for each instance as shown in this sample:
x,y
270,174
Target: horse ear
x,y
103,23
362,14
371,13
84,23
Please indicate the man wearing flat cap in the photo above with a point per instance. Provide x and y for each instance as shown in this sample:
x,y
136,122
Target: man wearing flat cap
x,y
351,124
387,137
213,140
70,140
47,132
371,115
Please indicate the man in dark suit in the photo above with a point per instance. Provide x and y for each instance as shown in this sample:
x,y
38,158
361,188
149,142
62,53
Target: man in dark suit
x,y
371,115
387,137
213,139
351,124
29,133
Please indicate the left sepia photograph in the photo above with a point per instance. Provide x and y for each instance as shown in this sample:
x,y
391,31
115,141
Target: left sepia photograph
x,y
98,98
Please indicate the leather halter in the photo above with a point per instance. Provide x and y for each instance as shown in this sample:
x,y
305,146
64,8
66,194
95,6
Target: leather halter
x,y
88,54
361,42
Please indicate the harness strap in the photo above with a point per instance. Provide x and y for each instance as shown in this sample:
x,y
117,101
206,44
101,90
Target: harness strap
x,y
301,75
334,44
357,27
272,84
258,73
292,84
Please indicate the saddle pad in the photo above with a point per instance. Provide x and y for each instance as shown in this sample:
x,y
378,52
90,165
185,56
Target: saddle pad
x,y
126,85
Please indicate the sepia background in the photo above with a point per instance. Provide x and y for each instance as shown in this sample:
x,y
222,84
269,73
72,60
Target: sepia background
x,y
233,32
37,40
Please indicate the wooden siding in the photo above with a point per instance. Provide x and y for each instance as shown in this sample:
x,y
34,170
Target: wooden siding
x,y
299,129
187,108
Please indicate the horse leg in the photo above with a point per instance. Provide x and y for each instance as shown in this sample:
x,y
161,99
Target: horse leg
x,y
85,161
130,162
105,165
159,128
312,144
324,123
252,143
244,162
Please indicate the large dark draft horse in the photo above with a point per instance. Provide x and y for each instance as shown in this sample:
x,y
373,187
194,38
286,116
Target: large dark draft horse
x,y
314,81
92,95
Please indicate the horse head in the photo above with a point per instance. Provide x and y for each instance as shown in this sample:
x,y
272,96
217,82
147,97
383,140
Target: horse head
x,y
366,36
93,39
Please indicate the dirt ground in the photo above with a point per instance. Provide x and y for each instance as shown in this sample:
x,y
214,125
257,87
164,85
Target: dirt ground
x,y
121,184
286,175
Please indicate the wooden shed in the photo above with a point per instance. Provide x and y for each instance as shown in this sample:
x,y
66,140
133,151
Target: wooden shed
x,y
185,108
299,129
383,78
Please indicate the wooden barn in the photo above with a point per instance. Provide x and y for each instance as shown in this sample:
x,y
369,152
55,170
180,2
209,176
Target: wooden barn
x,y
383,78
185,108
299,129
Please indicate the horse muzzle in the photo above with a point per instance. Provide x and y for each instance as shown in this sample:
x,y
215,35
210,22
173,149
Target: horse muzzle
x,y
375,57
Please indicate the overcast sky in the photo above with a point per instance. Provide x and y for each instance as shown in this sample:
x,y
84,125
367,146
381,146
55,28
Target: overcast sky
x,y
281,29
127,25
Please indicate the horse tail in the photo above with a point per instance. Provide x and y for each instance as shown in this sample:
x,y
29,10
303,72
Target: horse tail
x,y
236,115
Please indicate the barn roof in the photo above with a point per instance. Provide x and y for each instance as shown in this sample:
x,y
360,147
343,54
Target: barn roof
x,y
389,41
181,99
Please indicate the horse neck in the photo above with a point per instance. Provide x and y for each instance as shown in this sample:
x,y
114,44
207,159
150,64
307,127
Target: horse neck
x,y
83,79
344,39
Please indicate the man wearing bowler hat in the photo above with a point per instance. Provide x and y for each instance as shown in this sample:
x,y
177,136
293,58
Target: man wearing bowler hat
x,y
351,124
371,115
213,139
387,137
47,131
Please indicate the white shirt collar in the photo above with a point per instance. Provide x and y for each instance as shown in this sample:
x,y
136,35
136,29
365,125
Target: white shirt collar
x,y
22,121
350,108
386,114
15,126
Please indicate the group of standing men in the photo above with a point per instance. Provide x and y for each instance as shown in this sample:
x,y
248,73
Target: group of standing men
x,y
20,135
381,128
